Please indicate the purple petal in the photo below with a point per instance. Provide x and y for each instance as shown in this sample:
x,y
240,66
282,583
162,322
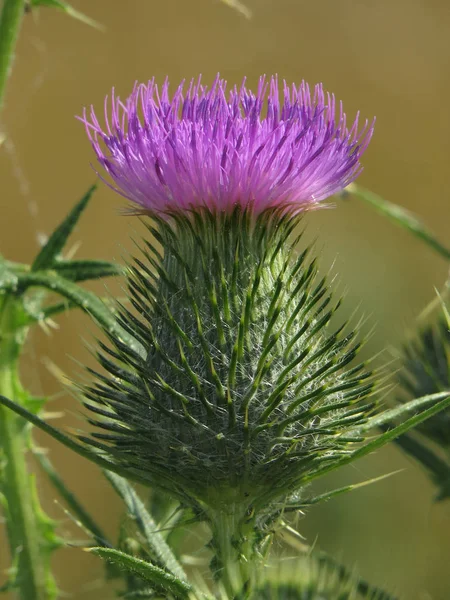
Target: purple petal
x,y
210,147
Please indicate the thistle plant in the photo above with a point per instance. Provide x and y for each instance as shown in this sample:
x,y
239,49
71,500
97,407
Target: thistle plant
x,y
238,392
224,382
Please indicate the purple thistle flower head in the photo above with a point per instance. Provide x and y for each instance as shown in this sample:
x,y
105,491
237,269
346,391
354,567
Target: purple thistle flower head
x,y
217,149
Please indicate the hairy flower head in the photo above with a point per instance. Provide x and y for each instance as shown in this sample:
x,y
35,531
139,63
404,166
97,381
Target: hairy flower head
x,y
217,149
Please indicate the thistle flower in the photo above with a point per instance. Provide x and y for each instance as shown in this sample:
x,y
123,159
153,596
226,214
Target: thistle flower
x,y
241,394
214,149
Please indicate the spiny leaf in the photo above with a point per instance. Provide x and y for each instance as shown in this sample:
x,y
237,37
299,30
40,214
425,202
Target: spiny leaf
x,y
158,577
145,522
366,589
337,492
96,456
389,416
426,369
84,299
56,242
384,438
83,270
66,440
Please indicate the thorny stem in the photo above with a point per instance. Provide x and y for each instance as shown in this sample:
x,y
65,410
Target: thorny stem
x,y
10,21
15,484
233,543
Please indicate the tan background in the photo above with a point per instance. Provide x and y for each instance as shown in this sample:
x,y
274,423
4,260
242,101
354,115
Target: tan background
x,y
386,58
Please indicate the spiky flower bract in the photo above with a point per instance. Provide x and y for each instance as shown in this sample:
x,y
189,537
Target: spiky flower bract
x,y
311,579
218,149
426,370
241,390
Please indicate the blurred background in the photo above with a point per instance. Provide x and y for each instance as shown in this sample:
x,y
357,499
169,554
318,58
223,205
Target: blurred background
x,y
383,58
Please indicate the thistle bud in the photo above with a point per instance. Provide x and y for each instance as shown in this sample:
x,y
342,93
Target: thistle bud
x,y
241,390
313,579
426,370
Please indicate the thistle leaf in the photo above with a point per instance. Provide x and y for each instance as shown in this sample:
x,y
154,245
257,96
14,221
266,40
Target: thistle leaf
x,y
56,242
53,310
343,490
84,299
68,441
365,589
83,270
159,578
383,439
146,524
389,416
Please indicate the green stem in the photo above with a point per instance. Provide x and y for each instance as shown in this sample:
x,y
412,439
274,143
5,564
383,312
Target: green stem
x,y
10,21
233,536
31,575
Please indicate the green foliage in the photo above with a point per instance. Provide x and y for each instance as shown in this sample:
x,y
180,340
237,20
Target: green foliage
x,y
65,439
223,384
84,270
11,15
51,272
161,580
31,534
51,251
154,543
78,297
